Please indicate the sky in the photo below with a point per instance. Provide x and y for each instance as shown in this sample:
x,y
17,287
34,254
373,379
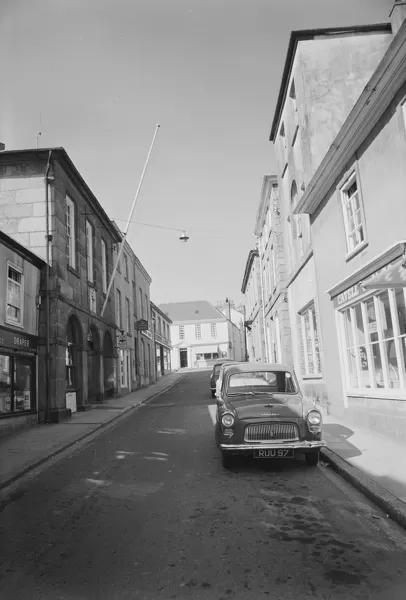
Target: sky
x,y
97,76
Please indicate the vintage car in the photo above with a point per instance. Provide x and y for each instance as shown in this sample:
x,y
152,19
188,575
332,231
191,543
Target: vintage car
x,y
262,412
215,373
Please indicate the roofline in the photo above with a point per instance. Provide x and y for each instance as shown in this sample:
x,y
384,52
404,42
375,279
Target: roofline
x,y
192,321
11,243
385,82
309,34
248,265
60,154
159,311
273,180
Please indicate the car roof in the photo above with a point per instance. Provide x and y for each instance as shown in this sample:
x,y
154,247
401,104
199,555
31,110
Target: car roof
x,y
252,367
221,361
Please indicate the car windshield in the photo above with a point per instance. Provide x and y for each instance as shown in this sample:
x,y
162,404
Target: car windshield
x,y
261,382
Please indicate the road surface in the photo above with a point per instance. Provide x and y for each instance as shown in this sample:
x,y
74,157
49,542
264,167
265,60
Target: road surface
x,y
146,512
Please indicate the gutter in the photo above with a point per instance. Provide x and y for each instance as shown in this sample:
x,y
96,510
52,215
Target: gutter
x,y
379,92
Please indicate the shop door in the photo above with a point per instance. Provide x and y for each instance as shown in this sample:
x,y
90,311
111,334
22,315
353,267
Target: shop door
x,y
183,358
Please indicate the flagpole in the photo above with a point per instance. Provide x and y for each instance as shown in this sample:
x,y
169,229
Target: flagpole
x,y
128,223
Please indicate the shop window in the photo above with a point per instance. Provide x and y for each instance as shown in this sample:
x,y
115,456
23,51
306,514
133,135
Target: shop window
x,y
353,212
15,295
17,384
310,342
374,335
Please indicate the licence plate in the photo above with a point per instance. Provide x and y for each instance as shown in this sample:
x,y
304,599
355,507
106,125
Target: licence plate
x,y
274,453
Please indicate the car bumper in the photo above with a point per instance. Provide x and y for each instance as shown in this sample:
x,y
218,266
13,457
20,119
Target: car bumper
x,y
300,446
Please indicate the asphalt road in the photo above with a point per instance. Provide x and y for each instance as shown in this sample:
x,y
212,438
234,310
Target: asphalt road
x,y
145,511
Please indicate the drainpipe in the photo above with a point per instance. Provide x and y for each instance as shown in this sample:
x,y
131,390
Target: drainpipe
x,y
47,303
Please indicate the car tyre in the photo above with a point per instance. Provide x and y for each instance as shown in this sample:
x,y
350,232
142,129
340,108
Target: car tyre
x,y
313,459
227,460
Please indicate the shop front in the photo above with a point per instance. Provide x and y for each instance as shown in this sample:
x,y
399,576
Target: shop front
x,y
18,360
371,329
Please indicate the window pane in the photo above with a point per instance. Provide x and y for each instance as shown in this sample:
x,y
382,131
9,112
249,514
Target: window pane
x,y
352,370
401,309
309,347
376,354
393,370
349,342
316,341
22,384
386,317
5,384
371,320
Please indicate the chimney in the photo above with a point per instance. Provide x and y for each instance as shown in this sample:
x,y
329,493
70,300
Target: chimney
x,y
397,15
2,146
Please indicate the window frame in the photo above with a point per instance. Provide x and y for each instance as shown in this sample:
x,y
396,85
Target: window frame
x,y
310,311
181,329
352,176
70,211
89,251
104,263
126,271
128,314
7,319
119,314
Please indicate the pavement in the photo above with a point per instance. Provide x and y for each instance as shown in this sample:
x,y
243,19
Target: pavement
x,y
145,511
371,462
30,448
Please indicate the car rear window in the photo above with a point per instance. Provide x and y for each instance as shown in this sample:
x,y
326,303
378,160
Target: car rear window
x,y
277,382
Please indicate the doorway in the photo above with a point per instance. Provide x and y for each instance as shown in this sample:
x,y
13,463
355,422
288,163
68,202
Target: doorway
x,y
93,366
183,357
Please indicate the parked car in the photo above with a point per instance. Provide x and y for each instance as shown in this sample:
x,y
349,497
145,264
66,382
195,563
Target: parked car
x,y
261,412
215,373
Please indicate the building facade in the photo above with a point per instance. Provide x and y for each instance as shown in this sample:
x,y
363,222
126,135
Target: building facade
x,y
161,326
20,279
49,209
324,73
254,313
200,334
355,199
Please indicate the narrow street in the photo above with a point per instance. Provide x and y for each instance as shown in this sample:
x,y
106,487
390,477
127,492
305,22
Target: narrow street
x,y
145,511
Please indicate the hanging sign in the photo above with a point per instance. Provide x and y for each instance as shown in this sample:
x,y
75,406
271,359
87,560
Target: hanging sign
x,y
141,325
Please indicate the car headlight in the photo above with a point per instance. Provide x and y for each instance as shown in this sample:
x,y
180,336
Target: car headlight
x,y
314,417
227,420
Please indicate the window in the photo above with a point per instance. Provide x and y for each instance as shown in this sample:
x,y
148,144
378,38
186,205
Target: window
x,y
89,251
181,332
198,331
284,148
135,300
119,318
214,330
292,96
126,267
128,314
353,214
146,308
141,304
15,295
310,342
374,332
104,266
70,233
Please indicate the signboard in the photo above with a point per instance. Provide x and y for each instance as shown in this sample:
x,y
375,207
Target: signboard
x,y
18,341
122,340
147,333
141,325
347,295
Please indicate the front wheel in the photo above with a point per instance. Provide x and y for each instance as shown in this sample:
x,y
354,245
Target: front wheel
x,y
313,459
227,460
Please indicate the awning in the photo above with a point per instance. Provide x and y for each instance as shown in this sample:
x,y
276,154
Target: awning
x,y
392,276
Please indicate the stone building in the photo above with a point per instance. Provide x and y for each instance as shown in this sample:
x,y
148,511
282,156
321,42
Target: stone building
x,y
133,317
48,208
254,313
20,278
324,73
161,325
355,198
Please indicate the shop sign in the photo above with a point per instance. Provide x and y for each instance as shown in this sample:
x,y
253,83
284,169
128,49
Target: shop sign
x,y
141,325
348,295
122,341
147,333
18,341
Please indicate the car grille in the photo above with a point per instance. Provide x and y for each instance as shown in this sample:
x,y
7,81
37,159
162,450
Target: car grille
x,y
271,432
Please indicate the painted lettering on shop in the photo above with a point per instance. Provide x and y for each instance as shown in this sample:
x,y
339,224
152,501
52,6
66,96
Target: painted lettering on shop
x,y
349,294
10,340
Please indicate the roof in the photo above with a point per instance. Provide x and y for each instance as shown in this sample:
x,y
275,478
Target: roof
x,y
6,240
62,156
160,312
311,34
248,266
198,310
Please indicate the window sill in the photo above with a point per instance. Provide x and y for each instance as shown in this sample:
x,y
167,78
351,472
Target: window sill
x,y
14,324
73,271
356,251
316,376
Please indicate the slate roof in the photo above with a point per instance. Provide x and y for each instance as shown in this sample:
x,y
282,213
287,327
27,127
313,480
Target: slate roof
x,y
199,310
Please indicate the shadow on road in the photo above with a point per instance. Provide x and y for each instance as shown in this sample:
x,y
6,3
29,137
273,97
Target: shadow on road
x,y
336,436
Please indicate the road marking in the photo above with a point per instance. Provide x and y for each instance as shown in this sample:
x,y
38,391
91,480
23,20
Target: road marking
x,y
160,453
172,431
212,412
155,458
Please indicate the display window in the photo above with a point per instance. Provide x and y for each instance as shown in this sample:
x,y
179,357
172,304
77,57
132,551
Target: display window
x,y
17,384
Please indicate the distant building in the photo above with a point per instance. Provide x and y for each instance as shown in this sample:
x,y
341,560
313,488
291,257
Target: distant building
x,y
200,333
20,277
161,325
